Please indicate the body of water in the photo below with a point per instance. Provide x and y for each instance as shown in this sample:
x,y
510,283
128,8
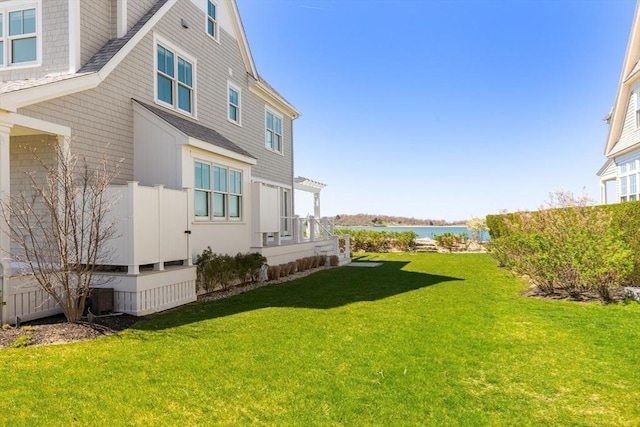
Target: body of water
x,y
427,231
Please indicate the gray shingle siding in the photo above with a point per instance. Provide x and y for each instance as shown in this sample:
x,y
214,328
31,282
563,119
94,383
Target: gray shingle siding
x,y
102,118
55,43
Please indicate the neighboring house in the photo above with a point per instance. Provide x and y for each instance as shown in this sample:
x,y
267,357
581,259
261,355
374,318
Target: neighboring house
x,y
169,86
621,171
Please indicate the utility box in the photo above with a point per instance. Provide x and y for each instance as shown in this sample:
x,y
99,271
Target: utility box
x,y
102,300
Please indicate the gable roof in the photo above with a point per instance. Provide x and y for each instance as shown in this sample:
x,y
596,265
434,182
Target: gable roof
x,y
196,130
21,93
628,76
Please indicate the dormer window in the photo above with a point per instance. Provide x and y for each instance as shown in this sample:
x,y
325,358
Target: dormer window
x,y
175,79
212,20
18,35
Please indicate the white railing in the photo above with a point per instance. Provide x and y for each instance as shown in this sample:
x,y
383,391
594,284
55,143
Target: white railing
x,y
152,225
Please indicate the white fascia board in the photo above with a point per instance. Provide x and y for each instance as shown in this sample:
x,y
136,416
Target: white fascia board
x,y
14,119
221,151
604,167
247,58
270,182
272,98
21,98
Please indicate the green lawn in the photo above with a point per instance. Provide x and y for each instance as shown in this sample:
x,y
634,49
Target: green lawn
x,y
425,339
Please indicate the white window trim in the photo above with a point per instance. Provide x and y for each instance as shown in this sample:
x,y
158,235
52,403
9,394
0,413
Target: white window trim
x,y
211,218
626,175
159,40
216,36
12,6
268,109
237,89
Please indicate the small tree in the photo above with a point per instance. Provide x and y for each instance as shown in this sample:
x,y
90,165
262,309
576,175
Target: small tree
x,y
476,227
61,226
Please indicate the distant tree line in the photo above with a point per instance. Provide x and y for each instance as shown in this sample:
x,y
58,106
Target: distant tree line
x,y
345,220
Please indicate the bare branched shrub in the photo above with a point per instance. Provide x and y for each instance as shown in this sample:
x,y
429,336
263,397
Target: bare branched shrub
x,y
60,228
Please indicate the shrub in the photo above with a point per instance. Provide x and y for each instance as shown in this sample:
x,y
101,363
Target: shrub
x,y
451,241
334,260
379,241
569,246
218,270
21,341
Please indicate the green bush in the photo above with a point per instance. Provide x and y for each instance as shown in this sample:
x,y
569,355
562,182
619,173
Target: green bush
x,y
451,241
569,246
221,270
379,241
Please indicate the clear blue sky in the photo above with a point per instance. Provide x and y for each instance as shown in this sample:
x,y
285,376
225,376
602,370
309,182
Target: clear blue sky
x,y
443,109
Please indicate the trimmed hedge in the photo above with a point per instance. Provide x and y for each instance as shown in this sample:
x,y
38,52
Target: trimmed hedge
x,y
379,241
576,248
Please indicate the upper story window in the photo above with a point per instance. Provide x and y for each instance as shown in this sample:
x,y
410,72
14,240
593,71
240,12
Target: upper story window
x,y
212,19
234,99
217,195
174,79
19,35
273,131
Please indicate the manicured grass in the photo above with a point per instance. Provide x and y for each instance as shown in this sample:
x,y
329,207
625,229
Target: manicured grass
x,y
435,339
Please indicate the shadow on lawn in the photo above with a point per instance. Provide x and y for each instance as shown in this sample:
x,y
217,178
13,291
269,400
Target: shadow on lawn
x,y
322,290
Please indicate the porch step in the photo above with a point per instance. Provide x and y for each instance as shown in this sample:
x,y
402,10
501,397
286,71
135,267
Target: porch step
x,y
425,245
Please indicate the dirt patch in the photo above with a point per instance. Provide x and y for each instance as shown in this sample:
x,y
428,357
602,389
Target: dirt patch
x,y
617,295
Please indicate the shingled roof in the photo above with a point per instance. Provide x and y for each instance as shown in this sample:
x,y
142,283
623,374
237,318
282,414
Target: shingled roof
x,y
112,47
195,130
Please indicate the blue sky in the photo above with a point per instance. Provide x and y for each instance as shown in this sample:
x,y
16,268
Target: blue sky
x,y
443,109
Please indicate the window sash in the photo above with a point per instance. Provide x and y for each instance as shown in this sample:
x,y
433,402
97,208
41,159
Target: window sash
x,y
212,23
234,105
174,80
274,132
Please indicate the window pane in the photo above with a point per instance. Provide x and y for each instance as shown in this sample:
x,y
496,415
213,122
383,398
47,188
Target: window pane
x,y
233,97
1,32
29,21
184,72
202,203
269,139
23,50
623,186
219,179
162,65
632,165
184,98
168,65
278,125
210,28
632,184
15,23
218,205
235,182
211,10
623,168
202,176
277,145
270,121
1,56
233,113
165,89
234,206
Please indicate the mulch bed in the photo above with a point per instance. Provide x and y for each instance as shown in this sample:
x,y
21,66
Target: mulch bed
x,y
56,330
617,295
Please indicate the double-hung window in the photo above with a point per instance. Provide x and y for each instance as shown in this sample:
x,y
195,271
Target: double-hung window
x,y
273,132
234,100
18,35
628,181
218,195
212,20
174,79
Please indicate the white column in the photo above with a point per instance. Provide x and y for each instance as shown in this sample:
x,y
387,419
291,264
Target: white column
x,y
5,241
603,193
316,205
159,266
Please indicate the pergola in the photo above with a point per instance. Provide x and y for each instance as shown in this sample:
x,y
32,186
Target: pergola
x,y
310,186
